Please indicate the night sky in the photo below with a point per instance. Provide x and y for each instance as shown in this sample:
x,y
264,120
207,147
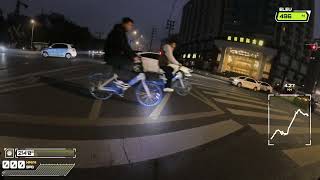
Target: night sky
x,y
100,15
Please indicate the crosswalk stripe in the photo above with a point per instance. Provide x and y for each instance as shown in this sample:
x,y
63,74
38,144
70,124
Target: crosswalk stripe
x,y
111,152
157,111
225,95
304,156
236,103
230,92
240,112
204,99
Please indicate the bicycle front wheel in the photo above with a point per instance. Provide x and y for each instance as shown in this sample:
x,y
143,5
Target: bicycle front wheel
x,y
182,90
155,94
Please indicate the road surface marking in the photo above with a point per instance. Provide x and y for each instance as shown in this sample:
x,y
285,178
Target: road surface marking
x,y
15,78
304,156
157,111
101,122
225,95
211,78
231,92
240,112
11,89
198,95
95,110
236,103
111,152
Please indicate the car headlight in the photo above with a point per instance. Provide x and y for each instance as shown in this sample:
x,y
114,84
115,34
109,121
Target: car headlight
x,y
2,48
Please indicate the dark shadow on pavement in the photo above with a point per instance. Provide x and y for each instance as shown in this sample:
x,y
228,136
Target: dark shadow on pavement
x,y
81,90
68,86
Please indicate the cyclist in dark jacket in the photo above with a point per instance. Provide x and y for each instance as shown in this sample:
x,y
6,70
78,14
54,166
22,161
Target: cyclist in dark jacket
x,y
118,52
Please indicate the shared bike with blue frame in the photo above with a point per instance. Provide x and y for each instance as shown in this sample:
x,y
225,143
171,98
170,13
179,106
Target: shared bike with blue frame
x,y
180,82
148,93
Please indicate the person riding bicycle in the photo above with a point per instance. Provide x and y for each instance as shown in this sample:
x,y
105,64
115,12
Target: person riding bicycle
x,y
165,60
119,54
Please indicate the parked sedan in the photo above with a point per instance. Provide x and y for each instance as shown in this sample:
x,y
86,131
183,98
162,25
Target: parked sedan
x,y
60,50
245,82
265,87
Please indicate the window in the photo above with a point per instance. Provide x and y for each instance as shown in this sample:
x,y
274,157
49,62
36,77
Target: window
x,y
55,46
229,38
261,42
251,80
60,46
254,41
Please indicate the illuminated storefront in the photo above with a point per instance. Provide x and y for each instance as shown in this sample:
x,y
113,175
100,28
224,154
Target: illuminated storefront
x,y
245,59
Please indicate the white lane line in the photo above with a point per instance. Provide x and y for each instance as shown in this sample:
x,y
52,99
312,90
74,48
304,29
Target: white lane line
x,y
228,91
236,103
304,156
106,153
211,78
240,112
11,89
198,95
157,111
41,73
243,98
95,110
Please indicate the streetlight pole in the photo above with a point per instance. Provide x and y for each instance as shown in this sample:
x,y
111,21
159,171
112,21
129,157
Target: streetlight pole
x,y
32,22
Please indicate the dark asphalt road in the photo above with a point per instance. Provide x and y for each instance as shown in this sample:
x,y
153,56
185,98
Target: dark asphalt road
x,y
217,132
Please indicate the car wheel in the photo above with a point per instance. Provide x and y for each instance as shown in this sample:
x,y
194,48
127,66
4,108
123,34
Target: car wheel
x,y
255,89
68,56
239,85
45,54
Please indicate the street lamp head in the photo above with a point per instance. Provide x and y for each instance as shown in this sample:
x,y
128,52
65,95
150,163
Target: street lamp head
x,y
135,32
137,42
32,21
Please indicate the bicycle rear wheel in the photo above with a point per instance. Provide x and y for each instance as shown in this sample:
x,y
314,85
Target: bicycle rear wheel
x,y
144,99
95,81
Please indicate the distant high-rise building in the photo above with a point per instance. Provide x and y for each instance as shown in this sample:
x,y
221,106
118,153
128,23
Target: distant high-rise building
x,y
242,37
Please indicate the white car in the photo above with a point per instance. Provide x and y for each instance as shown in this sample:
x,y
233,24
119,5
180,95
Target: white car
x,y
265,87
245,82
60,50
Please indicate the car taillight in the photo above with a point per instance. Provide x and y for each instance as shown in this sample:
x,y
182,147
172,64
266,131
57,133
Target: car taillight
x,y
161,52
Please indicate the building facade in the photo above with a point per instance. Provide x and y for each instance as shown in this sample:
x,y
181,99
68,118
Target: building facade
x,y
242,36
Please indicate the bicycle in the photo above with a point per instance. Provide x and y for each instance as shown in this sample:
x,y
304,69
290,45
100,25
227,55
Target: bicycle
x,y
180,82
148,93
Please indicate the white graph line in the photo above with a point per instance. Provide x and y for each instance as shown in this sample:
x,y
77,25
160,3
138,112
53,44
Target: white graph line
x,y
282,133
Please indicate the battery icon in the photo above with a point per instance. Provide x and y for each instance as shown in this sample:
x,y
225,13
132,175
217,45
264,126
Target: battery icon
x,y
46,153
293,16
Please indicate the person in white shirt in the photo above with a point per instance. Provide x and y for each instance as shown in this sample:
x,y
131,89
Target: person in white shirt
x,y
166,59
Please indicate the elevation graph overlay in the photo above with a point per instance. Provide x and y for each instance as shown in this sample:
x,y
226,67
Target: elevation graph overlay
x,y
282,133
300,105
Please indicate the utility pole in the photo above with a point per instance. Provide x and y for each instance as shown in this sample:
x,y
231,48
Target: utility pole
x,y
170,26
153,35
